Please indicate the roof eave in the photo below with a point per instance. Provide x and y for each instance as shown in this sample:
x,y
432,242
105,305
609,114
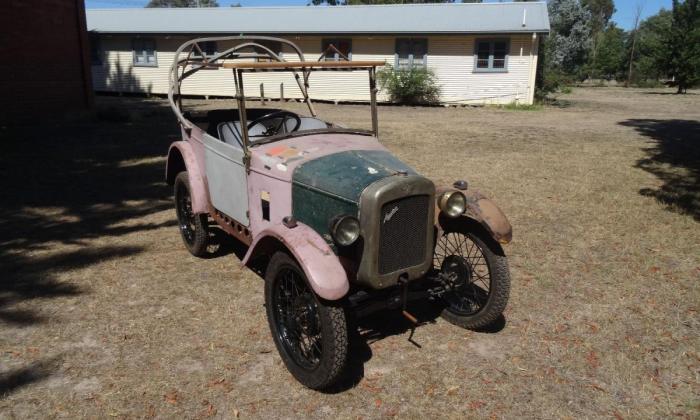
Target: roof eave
x,y
519,31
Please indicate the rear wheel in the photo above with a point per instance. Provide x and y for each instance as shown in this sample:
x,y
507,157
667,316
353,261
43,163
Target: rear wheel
x,y
193,227
310,334
480,279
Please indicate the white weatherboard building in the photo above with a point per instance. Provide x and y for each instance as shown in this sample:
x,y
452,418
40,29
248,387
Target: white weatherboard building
x,y
480,52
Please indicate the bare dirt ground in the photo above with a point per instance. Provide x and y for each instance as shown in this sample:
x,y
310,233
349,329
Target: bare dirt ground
x,y
103,313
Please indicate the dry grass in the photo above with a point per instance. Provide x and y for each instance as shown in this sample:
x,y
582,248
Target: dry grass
x,y
103,312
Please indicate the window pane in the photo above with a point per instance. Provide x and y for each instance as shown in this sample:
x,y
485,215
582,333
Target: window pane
x,y
209,48
483,51
403,48
329,55
420,47
342,45
499,63
345,47
274,46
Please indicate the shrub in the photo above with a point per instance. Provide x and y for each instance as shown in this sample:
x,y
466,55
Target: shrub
x,y
551,82
410,86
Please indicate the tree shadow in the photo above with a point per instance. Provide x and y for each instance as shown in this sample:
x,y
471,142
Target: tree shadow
x,y
66,181
38,371
674,158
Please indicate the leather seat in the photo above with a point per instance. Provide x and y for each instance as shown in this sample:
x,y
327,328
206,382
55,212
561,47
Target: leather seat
x,y
230,131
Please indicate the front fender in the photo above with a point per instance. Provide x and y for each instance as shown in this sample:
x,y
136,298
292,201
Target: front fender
x,y
322,267
181,158
486,213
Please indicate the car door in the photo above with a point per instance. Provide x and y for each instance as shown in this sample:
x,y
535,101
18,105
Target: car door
x,y
226,178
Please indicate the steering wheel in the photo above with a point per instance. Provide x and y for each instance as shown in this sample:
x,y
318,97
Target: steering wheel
x,y
276,114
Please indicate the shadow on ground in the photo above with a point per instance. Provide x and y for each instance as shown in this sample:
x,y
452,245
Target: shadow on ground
x,y
674,158
36,372
66,181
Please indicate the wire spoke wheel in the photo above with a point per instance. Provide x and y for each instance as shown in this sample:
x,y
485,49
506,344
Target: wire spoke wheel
x,y
311,334
457,255
297,318
476,276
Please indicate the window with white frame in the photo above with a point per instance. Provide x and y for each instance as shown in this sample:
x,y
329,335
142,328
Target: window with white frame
x,y
343,45
491,55
144,50
411,52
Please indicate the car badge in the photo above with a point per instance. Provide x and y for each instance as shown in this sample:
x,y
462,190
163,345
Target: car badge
x,y
391,214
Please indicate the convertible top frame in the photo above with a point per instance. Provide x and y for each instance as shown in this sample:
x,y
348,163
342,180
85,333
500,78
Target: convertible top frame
x,y
184,67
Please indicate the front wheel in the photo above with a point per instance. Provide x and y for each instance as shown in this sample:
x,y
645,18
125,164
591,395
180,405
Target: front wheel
x,y
479,277
311,335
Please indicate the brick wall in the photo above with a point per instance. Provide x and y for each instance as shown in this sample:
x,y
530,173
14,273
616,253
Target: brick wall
x,y
44,61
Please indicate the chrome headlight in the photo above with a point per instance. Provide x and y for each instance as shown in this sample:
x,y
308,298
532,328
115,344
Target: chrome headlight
x,y
453,203
345,230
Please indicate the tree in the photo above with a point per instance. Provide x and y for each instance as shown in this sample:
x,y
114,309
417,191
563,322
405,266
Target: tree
x,y
570,36
182,3
650,52
682,45
601,12
610,57
634,42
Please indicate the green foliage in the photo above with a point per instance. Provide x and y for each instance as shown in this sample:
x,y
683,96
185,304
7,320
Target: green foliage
x,y
601,12
650,52
608,61
552,81
682,45
569,41
410,86
182,3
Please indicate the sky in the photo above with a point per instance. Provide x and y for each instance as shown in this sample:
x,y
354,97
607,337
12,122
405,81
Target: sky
x,y
624,17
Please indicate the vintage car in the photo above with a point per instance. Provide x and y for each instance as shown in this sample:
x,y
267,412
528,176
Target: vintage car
x,y
339,225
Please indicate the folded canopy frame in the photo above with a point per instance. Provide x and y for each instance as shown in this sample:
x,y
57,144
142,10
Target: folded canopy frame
x,y
179,71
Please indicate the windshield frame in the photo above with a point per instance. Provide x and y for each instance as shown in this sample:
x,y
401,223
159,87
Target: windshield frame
x,y
330,130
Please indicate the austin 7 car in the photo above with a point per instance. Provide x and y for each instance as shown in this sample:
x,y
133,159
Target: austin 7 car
x,y
339,225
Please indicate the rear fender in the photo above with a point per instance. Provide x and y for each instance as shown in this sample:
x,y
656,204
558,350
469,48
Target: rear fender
x,y
486,213
322,267
181,158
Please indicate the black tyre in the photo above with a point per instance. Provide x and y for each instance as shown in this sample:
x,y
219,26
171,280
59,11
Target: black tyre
x,y
311,335
480,277
193,227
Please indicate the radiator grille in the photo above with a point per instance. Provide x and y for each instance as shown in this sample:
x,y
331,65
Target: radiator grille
x,y
402,230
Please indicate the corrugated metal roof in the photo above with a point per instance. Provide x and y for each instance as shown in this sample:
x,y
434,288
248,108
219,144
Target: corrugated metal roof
x,y
379,19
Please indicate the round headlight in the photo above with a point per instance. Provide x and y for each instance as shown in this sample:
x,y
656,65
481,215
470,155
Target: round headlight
x,y
453,203
346,230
